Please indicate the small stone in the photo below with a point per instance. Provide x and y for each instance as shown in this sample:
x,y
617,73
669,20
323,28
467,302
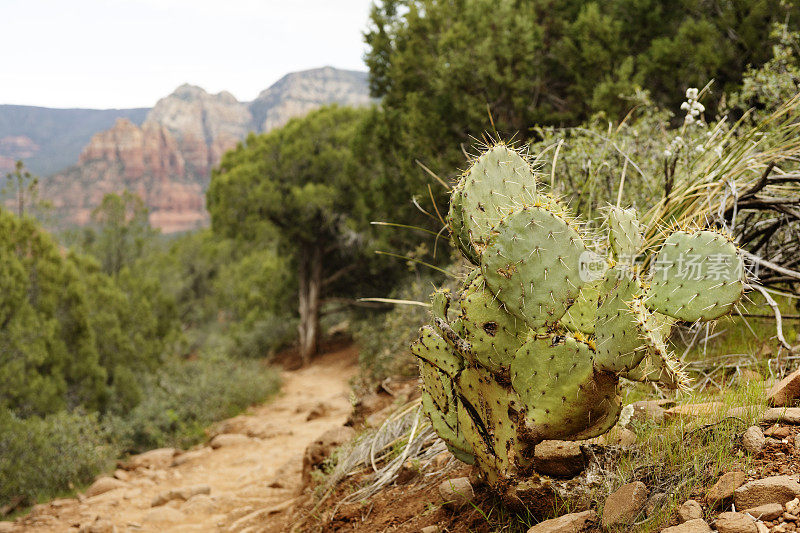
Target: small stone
x,y
762,527
558,458
624,504
768,511
430,529
723,490
229,439
158,458
789,415
121,475
789,517
652,410
797,442
785,391
793,506
100,525
456,492
164,514
441,460
774,489
318,411
692,526
570,523
750,376
753,439
778,432
183,493
189,456
690,510
199,504
735,523
104,484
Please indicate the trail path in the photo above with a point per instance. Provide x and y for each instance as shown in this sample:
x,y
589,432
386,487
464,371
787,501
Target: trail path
x,y
250,478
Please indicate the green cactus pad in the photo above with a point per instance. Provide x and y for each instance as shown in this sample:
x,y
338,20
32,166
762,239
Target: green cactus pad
x,y
496,183
458,228
532,265
487,423
583,313
440,303
624,233
493,333
619,331
564,396
440,405
433,349
697,276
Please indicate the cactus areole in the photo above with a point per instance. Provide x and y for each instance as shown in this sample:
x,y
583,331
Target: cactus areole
x,y
533,344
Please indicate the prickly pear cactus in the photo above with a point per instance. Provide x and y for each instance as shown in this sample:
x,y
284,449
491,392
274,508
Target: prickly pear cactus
x,y
533,344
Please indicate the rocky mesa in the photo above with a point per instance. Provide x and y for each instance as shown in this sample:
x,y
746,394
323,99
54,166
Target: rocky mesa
x,y
168,159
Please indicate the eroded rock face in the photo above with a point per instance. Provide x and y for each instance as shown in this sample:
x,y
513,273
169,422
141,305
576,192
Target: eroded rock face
x,y
168,159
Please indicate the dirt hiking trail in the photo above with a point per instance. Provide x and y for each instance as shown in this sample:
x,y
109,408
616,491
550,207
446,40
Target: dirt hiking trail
x,y
250,473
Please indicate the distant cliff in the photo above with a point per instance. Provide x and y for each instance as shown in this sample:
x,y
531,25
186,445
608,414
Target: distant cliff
x,y
51,139
168,158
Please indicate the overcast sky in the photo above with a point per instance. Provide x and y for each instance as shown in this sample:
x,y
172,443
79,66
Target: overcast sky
x,y
129,53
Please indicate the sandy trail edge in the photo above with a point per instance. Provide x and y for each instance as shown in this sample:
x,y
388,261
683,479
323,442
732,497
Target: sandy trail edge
x,y
250,481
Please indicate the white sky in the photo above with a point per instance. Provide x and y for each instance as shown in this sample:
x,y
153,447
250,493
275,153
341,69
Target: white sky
x,y
129,53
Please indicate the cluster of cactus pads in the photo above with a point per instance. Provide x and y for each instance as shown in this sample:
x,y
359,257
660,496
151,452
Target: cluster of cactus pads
x,y
532,345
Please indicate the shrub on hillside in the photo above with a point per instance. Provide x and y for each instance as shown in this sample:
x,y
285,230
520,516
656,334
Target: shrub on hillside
x,y
41,457
184,397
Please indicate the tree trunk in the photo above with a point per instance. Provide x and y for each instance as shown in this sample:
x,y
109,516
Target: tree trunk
x,y
310,287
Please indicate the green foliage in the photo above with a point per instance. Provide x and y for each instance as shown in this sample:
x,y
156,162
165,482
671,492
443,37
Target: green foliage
x,y
43,456
383,338
50,360
509,371
443,68
121,231
182,398
299,191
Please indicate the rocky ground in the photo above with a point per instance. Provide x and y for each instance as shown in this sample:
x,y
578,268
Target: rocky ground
x,y
264,471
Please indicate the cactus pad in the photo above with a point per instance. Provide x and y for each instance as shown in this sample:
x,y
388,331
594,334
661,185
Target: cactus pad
x,y
441,406
696,276
624,233
433,349
496,183
487,423
493,333
619,330
532,265
583,313
458,229
564,396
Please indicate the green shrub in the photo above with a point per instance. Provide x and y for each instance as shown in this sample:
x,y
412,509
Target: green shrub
x,y
41,457
182,398
384,339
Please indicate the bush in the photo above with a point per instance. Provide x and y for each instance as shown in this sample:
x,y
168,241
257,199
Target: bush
x,y
182,398
384,340
41,457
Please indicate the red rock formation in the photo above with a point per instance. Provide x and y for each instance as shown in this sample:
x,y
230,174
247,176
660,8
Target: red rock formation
x,y
168,160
